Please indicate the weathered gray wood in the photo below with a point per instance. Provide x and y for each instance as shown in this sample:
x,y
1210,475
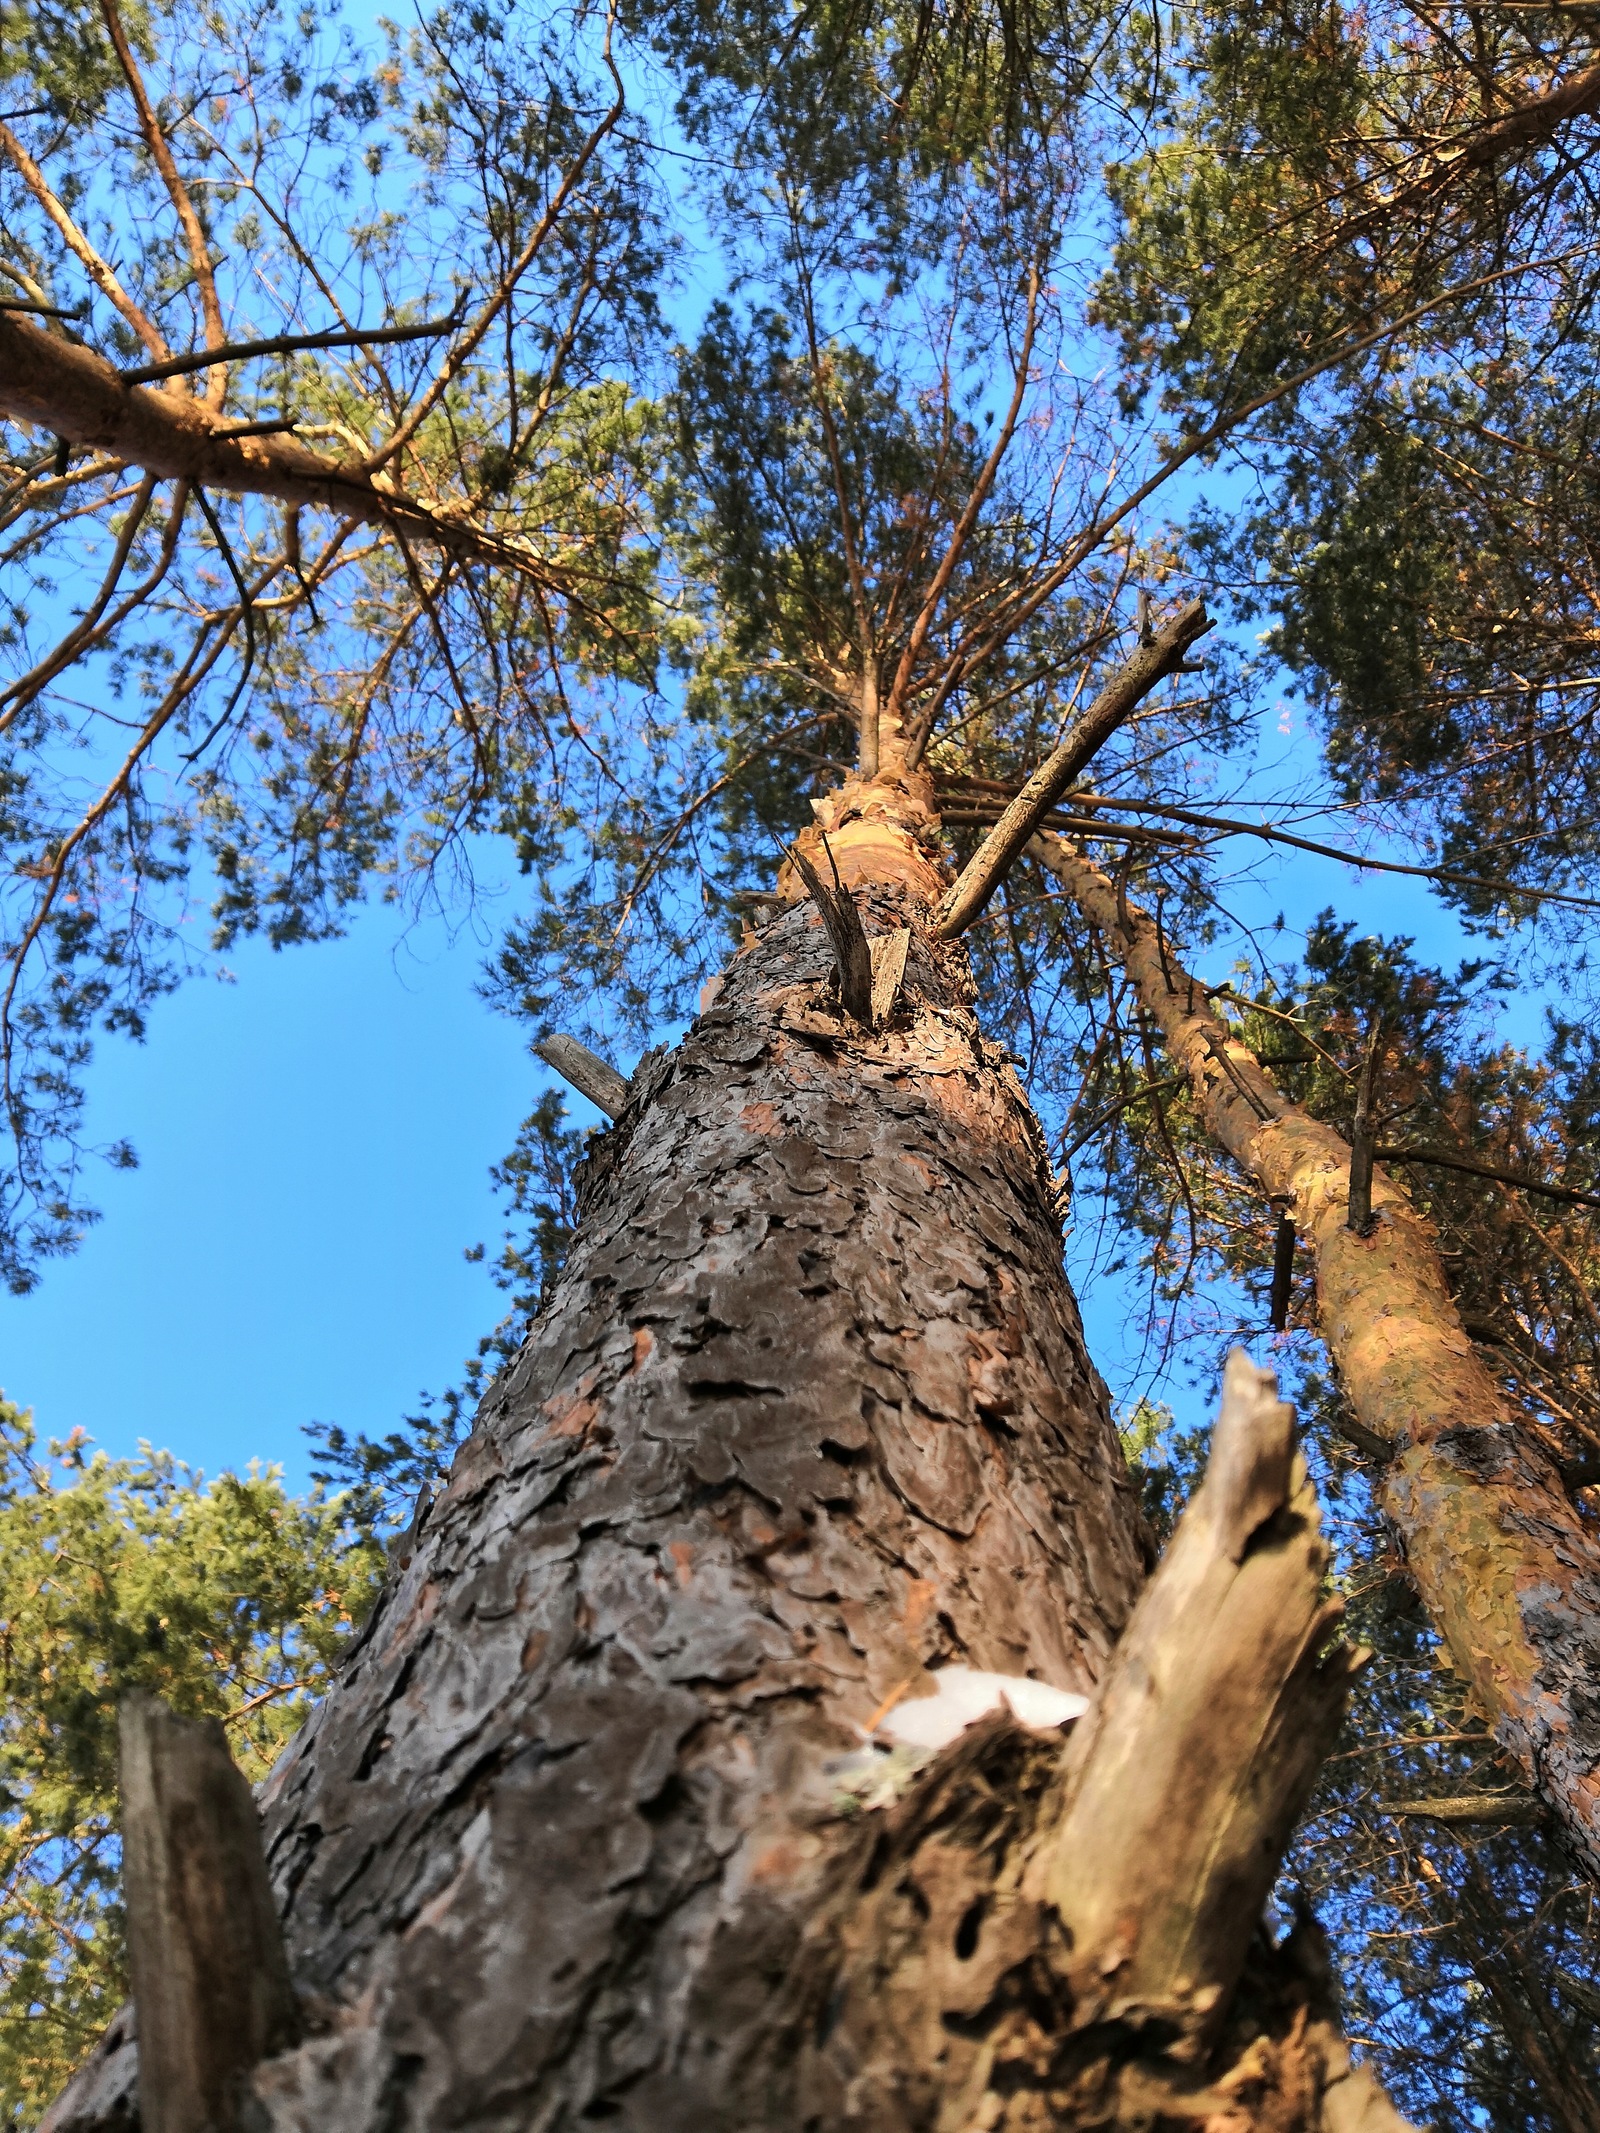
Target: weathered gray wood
x,y
889,951
587,1072
210,1981
1489,1810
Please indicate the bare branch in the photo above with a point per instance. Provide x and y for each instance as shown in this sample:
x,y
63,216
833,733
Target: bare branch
x,y
156,141
284,344
900,687
1149,665
98,270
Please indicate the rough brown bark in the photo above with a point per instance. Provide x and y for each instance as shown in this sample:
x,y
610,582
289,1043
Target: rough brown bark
x,y
1039,1939
578,1834
1508,1572
809,1409
76,394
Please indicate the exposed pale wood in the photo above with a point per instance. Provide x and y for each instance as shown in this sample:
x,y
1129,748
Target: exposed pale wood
x,y
586,1071
210,1981
1193,1764
888,951
1148,666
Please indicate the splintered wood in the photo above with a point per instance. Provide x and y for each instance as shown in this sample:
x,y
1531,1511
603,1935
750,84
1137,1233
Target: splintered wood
x,y
1189,1772
1039,1939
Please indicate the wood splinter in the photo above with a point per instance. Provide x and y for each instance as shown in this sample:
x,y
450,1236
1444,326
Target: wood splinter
x,y
210,1979
846,934
871,972
1070,1935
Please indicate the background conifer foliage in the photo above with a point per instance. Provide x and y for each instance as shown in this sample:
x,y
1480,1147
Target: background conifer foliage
x,y
631,435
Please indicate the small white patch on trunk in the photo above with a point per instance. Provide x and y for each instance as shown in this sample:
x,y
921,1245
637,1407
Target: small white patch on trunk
x,y
963,1694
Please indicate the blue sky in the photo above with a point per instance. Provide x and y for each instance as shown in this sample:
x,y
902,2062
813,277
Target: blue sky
x,y
314,1141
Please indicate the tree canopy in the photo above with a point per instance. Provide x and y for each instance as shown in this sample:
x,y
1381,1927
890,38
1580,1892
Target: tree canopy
x,y
598,431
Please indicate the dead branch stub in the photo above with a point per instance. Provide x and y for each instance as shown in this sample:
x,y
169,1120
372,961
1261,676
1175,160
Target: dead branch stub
x,y
210,1978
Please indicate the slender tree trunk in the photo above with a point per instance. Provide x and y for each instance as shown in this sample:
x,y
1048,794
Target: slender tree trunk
x,y
1506,1568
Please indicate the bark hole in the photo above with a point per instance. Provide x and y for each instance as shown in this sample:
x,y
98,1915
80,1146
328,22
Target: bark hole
x,y
968,1930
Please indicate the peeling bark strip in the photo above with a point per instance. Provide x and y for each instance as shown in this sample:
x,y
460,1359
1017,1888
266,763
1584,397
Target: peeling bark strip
x,y
809,1410
209,1977
1508,1572
80,396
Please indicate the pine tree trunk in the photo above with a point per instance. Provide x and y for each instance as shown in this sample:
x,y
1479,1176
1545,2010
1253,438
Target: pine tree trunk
x,y
809,1409
1505,1566
579,1835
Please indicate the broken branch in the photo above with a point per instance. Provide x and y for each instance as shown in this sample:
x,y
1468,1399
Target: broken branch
x,y
846,934
1150,664
210,1978
1188,1772
587,1072
286,344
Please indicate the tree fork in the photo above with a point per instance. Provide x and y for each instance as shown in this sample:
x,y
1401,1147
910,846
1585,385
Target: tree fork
x,y
1508,1572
